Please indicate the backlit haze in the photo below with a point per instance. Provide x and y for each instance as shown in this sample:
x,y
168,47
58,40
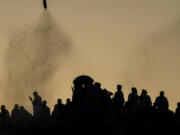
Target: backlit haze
x,y
128,42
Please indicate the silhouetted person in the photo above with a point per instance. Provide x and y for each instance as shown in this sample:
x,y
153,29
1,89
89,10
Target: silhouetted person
x,y
144,99
15,113
4,113
24,115
106,96
37,104
133,97
58,111
161,102
97,85
45,111
90,98
177,113
4,117
118,99
68,105
78,92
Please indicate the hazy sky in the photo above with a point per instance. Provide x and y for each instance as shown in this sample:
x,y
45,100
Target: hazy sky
x,y
132,42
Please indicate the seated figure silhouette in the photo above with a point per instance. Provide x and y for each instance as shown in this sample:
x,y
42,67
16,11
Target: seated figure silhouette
x,y
161,102
118,99
37,105
133,98
144,99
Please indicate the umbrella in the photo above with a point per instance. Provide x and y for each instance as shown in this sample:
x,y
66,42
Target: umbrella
x,y
83,79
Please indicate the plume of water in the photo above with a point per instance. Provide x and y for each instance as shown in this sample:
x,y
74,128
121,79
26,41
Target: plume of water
x,y
31,59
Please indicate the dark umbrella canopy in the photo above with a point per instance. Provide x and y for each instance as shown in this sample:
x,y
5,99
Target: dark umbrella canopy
x,y
83,79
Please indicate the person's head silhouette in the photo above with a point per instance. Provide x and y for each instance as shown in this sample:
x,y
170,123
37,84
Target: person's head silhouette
x,y
3,107
162,93
119,87
35,93
178,105
68,101
44,102
134,90
59,101
16,106
22,108
97,85
144,92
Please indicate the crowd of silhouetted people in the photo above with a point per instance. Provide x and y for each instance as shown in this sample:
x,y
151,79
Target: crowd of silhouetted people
x,y
94,110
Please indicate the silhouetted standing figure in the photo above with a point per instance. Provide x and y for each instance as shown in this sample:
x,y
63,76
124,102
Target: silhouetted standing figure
x,y
45,111
37,105
24,115
161,102
68,108
99,102
177,113
118,99
4,113
144,107
106,96
144,99
58,110
4,117
68,105
133,97
15,113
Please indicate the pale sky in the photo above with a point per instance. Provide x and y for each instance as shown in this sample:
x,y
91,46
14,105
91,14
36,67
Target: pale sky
x,y
108,41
